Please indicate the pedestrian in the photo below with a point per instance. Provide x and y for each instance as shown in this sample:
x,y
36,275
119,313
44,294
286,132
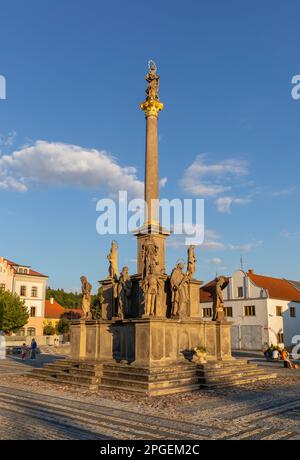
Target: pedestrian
x,y
24,350
33,349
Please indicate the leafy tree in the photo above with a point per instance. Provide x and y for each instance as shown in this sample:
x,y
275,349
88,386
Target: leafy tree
x,y
65,299
71,300
96,305
49,329
13,312
63,326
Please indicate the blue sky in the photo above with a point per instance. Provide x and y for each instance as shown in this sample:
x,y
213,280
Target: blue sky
x,y
229,132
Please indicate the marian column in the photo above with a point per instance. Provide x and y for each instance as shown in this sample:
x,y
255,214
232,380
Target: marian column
x,y
151,106
151,237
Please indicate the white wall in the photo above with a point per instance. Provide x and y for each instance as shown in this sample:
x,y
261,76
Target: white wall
x,y
6,275
31,281
291,326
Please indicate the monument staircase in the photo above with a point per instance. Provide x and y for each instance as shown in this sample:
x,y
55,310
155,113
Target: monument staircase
x,y
182,377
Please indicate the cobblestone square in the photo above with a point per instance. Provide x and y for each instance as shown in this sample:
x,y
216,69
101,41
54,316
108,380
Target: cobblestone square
x,y
33,409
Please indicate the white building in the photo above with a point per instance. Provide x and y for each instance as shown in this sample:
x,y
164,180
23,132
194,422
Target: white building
x,y
31,287
263,310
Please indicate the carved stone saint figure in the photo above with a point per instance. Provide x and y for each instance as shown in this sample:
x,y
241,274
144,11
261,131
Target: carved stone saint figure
x,y
113,271
124,293
112,257
191,260
218,303
151,287
153,82
86,289
149,256
179,287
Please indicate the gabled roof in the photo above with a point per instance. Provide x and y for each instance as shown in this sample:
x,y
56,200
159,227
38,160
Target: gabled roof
x,y
30,271
277,288
296,284
206,291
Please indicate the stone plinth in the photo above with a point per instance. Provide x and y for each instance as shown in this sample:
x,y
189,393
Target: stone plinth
x,y
147,341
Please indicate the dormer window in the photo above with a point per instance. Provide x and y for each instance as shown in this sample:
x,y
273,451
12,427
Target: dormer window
x,y
23,270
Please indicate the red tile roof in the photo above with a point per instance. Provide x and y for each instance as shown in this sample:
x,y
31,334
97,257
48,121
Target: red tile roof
x,y
55,310
277,288
31,272
206,292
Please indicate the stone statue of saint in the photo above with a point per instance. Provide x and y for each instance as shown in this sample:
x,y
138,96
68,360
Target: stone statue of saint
x,y
112,257
191,260
86,289
149,256
179,287
151,287
153,82
218,303
124,288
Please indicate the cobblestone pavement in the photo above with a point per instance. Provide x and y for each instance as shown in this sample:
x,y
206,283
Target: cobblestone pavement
x,y
32,409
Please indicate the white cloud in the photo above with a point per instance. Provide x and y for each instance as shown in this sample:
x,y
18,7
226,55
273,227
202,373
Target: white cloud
x,y
216,261
290,234
244,247
60,164
284,191
163,182
9,139
206,178
224,203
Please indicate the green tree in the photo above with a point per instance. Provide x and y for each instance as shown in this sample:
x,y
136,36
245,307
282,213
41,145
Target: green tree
x,y
13,312
65,299
96,305
49,329
63,326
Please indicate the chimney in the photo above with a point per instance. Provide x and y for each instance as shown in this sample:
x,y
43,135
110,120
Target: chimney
x,y
251,271
52,300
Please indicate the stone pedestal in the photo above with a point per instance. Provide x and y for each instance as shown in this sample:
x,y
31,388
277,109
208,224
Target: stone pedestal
x,y
149,342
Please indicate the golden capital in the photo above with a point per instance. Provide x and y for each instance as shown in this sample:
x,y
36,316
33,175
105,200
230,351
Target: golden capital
x,y
151,107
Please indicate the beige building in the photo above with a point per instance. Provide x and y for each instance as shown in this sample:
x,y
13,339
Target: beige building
x,y
31,287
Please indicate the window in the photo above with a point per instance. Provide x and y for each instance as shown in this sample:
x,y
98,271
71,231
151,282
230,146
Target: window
x,y
292,312
34,291
32,312
20,270
31,331
207,312
280,337
240,291
249,310
21,332
278,311
228,311
23,291
2,287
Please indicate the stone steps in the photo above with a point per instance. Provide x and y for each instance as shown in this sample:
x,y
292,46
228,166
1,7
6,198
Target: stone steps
x,y
156,391
230,377
240,381
153,381
227,372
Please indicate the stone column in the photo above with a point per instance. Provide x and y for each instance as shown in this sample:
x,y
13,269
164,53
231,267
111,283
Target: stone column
x,y
151,170
151,107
